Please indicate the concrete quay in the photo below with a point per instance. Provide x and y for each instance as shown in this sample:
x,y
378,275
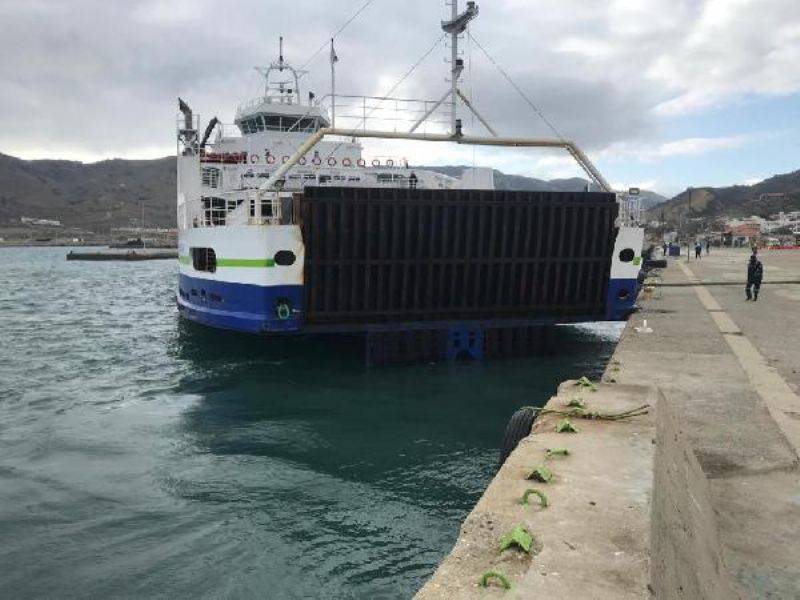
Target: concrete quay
x,y
700,498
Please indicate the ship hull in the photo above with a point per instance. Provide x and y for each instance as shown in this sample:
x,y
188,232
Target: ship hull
x,y
383,260
238,306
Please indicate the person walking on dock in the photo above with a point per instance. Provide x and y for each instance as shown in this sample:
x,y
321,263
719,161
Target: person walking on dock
x,y
755,271
698,250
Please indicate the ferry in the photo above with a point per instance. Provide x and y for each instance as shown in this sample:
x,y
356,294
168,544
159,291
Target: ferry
x,y
261,203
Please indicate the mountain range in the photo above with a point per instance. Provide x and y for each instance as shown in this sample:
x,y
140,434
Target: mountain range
x,y
773,195
116,193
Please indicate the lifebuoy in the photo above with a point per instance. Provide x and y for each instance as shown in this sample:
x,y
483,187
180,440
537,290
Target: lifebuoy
x,y
316,160
346,162
331,161
361,162
376,162
270,159
302,160
389,162
286,159
254,158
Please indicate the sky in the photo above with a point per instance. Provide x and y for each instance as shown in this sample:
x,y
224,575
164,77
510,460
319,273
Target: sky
x,y
661,94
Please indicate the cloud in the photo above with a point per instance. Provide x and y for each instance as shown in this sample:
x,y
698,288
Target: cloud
x,y
734,48
93,78
694,146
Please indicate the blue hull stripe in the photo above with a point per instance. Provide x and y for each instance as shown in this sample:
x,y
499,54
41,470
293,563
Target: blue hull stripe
x,y
239,306
252,308
621,298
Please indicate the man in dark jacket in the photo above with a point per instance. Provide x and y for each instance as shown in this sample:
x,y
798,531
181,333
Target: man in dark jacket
x,y
755,271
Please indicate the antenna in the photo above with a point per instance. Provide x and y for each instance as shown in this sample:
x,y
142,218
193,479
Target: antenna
x,y
287,86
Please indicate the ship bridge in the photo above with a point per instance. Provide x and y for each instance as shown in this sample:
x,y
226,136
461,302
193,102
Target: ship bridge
x,y
281,107
267,114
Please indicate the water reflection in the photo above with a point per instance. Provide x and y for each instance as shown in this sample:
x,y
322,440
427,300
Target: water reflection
x,y
367,471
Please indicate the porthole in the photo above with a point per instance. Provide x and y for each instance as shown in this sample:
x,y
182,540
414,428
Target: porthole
x,y
285,258
627,255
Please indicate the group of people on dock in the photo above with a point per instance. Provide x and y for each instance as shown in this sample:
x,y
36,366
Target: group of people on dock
x,y
755,270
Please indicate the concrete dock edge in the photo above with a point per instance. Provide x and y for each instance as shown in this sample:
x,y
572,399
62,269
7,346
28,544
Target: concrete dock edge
x,y
696,500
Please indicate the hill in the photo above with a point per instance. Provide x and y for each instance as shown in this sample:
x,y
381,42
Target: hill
x,y
94,196
111,193
773,195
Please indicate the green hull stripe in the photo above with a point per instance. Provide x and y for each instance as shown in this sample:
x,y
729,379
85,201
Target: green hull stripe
x,y
236,262
245,262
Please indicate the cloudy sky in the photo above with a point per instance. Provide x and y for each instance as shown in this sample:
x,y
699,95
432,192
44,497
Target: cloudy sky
x,y
660,93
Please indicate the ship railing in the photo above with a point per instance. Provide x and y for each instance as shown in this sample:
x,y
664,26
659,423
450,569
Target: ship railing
x,y
287,100
386,112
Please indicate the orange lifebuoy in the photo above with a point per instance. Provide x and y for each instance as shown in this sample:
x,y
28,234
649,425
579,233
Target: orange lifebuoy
x,y
254,158
270,159
376,162
361,162
389,162
285,158
331,161
302,160
346,162
316,160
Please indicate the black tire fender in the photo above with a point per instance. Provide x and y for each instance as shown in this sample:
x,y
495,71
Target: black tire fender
x,y
518,428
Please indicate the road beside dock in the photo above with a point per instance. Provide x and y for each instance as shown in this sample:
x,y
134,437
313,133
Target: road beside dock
x,y
697,499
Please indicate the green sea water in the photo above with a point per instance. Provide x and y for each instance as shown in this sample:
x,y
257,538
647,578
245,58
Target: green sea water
x,y
145,457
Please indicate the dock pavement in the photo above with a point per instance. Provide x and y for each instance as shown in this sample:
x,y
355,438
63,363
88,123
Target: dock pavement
x,y
731,369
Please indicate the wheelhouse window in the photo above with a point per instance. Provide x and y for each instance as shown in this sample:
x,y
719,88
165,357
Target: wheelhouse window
x,y
211,177
204,259
261,123
273,123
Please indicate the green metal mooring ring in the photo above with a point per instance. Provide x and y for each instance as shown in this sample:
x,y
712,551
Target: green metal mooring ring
x,y
283,310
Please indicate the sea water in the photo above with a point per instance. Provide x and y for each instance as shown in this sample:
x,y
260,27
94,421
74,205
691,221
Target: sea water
x,y
141,456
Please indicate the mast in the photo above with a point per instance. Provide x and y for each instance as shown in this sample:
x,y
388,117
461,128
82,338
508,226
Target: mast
x,y
454,28
454,71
